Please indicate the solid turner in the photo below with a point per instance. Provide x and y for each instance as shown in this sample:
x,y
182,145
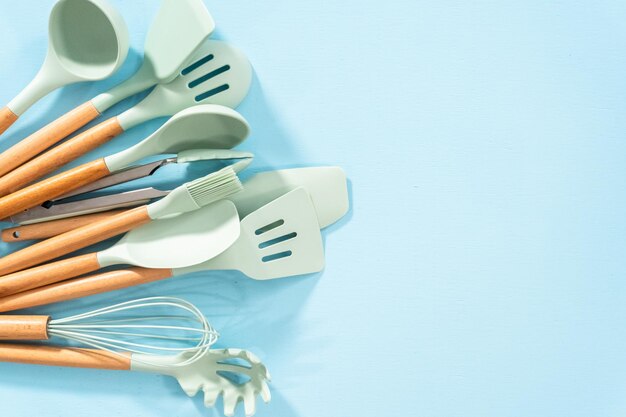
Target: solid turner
x,y
218,74
183,240
327,187
279,240
179,28
215,372
203,126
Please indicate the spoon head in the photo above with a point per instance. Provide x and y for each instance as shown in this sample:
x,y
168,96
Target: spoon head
x,y
207,126
179,28
183,240
88,40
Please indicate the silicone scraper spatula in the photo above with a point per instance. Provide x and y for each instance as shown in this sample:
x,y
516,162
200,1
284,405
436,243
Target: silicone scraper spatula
x,y
187,197
281,239
88,41
219,74
203,126
175,242
179,28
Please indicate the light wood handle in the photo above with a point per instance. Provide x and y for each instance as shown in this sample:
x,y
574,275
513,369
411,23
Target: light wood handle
x,y
59,156
44,230
47,136
7,118
24,327
82,287
48,274
69,242
52,187
62,356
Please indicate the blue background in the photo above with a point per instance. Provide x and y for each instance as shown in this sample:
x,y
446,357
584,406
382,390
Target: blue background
x,y
480,271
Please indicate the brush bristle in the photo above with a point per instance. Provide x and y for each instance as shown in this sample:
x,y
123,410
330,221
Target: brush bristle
x,y
214,187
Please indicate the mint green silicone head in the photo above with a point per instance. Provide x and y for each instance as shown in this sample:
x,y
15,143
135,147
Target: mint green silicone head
x,y
218,73
89,38
207,126
177,31
88,41
183,240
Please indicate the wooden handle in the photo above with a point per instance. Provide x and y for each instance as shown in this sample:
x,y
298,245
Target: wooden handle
x,y
62,356
53,187
7,118
24,327
69,242
47,136
48,274
59,156
44,230
82,287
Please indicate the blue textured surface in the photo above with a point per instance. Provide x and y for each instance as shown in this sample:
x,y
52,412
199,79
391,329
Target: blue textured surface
x,y
481,269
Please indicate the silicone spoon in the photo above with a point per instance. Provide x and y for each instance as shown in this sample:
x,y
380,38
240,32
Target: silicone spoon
x,y
179,28
203,126
88,40
175,242
219,74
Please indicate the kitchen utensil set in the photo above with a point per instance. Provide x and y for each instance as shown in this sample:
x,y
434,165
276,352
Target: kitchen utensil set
x,y
268,227
179,28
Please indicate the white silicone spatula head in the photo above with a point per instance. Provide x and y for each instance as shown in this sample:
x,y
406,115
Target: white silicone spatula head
x,y
177,31
218,73
327,187
183,240
280,239
88,40
205,126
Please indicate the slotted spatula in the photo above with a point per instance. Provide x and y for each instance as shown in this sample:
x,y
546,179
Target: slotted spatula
x,y
179,28
279,240
217,74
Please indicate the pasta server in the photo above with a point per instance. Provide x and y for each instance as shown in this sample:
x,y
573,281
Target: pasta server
x,y
218,74
203,126
327,187
280,239
88,41
179,28
172,242
214,372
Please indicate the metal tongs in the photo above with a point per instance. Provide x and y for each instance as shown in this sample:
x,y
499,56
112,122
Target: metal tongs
x,y
61,208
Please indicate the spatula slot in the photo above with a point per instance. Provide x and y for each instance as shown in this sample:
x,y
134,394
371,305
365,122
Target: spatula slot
x,y
269,227
236,362
197,64
277,240
208,76
212,92
234,377
277,256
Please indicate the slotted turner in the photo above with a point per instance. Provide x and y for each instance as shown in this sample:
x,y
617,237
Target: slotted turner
x,y
218,74
279,240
